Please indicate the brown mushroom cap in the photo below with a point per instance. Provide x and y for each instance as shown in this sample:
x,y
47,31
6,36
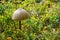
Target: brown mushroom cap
x,y
20,14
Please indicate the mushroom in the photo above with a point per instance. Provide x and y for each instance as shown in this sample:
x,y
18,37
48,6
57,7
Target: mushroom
x,y
20,14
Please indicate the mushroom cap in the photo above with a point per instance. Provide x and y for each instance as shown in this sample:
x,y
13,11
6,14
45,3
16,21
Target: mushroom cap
x,y
20,14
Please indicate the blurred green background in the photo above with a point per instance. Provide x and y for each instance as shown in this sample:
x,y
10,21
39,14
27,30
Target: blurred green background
x,y
43,24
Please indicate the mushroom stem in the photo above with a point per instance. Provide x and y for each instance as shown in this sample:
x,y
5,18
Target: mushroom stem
x,y
20,25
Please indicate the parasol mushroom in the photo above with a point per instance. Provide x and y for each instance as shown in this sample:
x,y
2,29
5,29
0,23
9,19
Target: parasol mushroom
x,y
20,14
